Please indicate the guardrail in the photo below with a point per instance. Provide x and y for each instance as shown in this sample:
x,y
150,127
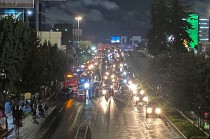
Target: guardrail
x,y
184,137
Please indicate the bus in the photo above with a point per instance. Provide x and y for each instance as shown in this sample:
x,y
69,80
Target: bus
x,y
70,79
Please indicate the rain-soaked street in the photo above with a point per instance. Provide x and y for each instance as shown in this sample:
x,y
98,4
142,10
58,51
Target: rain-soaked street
x,y
116,118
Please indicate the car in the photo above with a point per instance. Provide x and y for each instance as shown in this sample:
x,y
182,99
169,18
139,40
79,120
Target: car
x,y
72,88
124,89
153,108
140,99
80,90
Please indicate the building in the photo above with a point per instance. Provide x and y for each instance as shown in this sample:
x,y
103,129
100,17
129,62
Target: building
x,y
204,30
67,34
53,37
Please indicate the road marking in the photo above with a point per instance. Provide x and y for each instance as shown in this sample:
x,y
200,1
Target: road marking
x,y
147,126
60,109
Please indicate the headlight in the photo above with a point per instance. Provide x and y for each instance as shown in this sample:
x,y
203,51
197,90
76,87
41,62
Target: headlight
x,y
125,81
158,110
145,99
112,76
129,82
86,85
142,92
149,110
105,77
113,80
104,92
107,73
124,73
136,98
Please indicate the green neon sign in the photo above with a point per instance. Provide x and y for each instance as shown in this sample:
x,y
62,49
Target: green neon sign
x,y
193,33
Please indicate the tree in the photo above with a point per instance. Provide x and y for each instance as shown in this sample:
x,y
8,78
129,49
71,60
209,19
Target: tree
x,y
168,27
27,65
159,27
49,65
179,25
14,45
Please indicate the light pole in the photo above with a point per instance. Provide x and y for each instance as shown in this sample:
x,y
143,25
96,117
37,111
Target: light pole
x,y
78,18
28,14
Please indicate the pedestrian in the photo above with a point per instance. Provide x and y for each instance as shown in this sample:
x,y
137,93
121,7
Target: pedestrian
x,y
13,113
17,117
34,114
21,114
40,109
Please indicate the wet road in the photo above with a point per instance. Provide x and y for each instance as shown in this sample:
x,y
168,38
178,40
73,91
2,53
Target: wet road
x,y
119,119
116,118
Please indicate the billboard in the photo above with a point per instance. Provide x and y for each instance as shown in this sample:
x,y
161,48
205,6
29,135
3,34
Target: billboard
x,y
193,33
16,13
115,39
16,3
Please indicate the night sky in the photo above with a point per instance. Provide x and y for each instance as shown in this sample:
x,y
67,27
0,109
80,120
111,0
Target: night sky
x,y
104,18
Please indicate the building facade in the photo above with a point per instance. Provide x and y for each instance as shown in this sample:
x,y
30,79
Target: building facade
x,y
67,33
204,30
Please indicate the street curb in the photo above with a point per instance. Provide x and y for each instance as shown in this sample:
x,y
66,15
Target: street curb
x,y
184,137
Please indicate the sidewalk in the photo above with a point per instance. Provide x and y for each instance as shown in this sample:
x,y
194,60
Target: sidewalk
x,y
29,127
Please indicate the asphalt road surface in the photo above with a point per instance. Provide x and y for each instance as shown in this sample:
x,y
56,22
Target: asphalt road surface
x,y
116,118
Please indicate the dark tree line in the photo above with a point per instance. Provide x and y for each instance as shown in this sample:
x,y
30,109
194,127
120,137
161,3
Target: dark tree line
x,y
26,64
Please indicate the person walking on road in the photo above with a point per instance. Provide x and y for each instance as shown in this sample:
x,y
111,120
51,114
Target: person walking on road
x,y
21,114
13,113
34,114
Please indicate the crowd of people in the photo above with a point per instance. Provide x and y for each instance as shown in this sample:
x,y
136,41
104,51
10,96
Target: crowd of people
x,y
29,106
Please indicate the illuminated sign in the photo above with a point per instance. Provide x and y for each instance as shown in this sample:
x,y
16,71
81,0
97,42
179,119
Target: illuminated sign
x,y
193,33
16,3
115,39
16,13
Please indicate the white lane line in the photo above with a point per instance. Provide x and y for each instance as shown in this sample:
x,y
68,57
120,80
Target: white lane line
x,y
60,109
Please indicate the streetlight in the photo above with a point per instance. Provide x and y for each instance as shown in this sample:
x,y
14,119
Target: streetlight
x,y
29,13
78,18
